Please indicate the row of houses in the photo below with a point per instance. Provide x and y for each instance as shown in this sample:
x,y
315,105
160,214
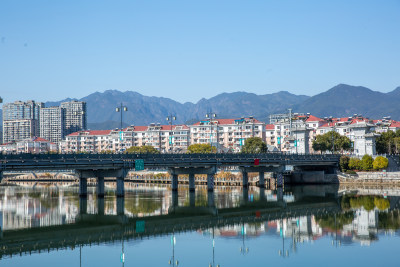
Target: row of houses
x,y
294,133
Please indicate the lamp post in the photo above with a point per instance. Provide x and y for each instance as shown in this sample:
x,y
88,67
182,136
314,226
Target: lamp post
x,y
243,249
172,260
209,116
121,108
171,118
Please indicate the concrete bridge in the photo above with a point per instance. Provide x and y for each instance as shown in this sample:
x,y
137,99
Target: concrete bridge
x,y
303,167
99,228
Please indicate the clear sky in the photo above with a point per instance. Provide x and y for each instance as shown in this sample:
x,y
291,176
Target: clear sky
x,y
189,49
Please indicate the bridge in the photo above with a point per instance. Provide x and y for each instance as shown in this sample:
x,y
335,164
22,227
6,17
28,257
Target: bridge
x,y
98,228
313,167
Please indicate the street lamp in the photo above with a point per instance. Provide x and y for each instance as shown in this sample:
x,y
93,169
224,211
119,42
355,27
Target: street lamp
x,y
171,118
209,116
121,108
243,249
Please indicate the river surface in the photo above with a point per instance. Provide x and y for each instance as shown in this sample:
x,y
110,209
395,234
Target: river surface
x,y
299,226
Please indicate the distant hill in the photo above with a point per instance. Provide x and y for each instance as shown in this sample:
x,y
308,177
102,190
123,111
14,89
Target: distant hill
x,y
143,110
345,100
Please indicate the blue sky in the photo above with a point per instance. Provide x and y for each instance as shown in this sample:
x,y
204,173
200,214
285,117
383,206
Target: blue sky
x,y
186,50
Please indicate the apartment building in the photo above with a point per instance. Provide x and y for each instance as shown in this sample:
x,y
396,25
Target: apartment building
x,y
226,134
75,116
21,120
29,145
165,138
52,123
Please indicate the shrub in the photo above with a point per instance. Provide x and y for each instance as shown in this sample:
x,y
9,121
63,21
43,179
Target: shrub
x,y
380,163
350,172
354,164
366,163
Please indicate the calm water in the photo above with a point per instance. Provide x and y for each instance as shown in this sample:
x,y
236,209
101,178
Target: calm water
x,y
313,226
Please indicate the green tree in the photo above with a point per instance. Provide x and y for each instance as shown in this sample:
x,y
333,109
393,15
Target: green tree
x,y
388,142
380,163
344,163
254,145
201,148
366,163
142,150
325,142
354,164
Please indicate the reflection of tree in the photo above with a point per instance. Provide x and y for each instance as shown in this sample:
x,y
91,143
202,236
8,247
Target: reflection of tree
x,y
389,220
367,202
142,205
328,220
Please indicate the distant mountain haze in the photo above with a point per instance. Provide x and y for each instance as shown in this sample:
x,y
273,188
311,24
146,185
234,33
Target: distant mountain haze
x,y
340,101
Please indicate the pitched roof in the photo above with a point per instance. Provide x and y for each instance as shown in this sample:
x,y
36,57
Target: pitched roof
x,y
270,127
395,124
313,118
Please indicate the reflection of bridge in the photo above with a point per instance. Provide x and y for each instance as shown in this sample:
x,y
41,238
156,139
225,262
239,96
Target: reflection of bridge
x,y
97,228
312,167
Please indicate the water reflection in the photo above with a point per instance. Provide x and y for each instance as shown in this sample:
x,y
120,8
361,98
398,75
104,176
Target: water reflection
x,y
295,216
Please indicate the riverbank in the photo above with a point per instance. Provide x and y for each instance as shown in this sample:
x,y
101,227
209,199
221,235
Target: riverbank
x,y
370,178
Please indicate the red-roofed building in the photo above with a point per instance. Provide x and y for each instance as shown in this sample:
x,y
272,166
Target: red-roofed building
x,y
162,137
29,145
226,134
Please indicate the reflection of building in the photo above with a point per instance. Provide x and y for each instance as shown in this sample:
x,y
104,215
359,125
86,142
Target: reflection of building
x,y
364,226
303,228
28,209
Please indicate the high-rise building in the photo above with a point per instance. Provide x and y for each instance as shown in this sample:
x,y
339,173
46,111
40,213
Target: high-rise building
x,y
52,123
75,116
21,120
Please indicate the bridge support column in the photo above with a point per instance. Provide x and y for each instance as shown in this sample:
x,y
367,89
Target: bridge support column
x,y
210,199
174,198
192,199
100,187
261,182
82,205
210,182
174,183
279,179
82,187
192,186
245,181
279,194
120,187
262,193
100,205
120,206
245,194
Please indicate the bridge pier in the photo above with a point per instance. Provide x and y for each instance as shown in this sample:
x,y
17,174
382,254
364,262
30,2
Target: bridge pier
x,y
120,187
100,205
210,199
100,187
245,180
192,199
210,182
261,181
120,206
262,193
174,183
192,186
82,205
245,194
82,187
175,198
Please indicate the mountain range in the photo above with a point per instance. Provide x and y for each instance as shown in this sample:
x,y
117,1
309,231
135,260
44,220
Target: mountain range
x,y
340,101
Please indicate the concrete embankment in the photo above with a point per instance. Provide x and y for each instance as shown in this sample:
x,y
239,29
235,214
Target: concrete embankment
x,y
376,178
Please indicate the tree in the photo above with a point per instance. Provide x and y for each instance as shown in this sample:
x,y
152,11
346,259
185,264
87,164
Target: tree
x,y
380,163
254,145
388,142
366,163
142,150
325,142
201,148
344,163
354,164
